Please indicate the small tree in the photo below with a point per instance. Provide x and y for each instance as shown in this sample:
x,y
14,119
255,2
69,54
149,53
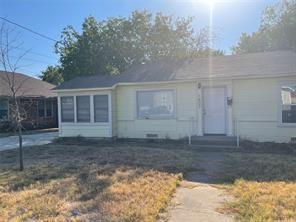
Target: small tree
x,y
10,58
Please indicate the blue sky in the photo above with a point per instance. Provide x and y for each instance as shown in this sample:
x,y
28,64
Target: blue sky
x,y
49,17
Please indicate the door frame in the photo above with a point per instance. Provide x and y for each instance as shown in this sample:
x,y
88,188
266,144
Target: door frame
x,y
227,85
225,107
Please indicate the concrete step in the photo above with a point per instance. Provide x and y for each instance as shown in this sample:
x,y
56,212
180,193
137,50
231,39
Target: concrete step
x,y
214,140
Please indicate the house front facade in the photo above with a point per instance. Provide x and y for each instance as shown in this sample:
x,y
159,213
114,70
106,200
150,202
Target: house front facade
x,y
251,96
38,104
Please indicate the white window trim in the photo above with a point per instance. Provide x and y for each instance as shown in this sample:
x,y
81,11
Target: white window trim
x,y
89,97
109,106
280,117
166,117
92,122
60,109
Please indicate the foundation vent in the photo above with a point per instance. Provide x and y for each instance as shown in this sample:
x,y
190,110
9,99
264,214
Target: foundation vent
x,y
151,135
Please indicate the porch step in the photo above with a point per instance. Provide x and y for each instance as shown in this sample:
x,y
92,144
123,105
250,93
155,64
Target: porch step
x,y
222,141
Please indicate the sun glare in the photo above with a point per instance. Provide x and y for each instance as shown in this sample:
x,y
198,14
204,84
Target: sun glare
x,y
211,3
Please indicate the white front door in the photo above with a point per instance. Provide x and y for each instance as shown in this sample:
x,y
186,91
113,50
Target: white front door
x,y
214,110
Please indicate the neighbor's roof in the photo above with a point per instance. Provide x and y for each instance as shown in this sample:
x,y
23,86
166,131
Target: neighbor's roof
x,y
263,64
28,86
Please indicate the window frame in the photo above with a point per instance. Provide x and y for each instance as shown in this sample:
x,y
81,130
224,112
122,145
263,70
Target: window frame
x,y
7,106
280,105
74,109
38,105
92,118
159,117
109,108
51,108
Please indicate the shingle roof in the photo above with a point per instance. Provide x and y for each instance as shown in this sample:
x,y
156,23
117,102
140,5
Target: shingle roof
x,y
235,66
30,87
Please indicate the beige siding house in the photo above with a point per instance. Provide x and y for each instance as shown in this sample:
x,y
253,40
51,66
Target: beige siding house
x,y
252,96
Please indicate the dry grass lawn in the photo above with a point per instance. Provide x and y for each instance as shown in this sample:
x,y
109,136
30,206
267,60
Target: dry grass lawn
x,y
90,183
128,182
266,190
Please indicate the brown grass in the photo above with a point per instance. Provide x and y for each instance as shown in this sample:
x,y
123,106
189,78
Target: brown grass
x,y
267,188
264,201
75,183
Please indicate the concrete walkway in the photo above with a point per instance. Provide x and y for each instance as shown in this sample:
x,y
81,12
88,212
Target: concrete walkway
x,y
197,199
11,142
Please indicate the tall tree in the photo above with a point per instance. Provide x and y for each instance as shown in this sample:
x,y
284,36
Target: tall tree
x,y
52,74
277,30
111,46
10,60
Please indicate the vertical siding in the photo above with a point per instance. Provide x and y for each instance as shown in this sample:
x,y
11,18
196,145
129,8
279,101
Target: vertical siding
x,y
185,122
256,105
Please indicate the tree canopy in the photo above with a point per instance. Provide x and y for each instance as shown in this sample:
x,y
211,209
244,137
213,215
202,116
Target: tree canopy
x,y
111,46
53,75
277,30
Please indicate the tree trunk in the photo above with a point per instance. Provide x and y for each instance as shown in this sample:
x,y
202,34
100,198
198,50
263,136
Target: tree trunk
x,y
21,148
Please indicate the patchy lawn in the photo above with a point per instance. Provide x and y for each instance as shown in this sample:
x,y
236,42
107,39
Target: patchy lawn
x,y
90,183
264,186
130,182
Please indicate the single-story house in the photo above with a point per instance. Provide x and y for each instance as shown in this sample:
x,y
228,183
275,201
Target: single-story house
x,y
37,101
251,95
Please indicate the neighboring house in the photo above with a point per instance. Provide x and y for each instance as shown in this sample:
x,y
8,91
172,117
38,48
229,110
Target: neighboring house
x,y
250,95
35,97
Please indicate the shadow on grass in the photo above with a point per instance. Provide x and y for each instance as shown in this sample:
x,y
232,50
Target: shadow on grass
x,y
55,161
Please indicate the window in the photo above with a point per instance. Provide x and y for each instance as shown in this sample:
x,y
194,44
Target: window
x,y
67,108
48,105
155,104
101,109
288,95
83,108
41,109
3,109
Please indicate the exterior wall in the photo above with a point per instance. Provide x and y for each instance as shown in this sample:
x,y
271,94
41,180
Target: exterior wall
x,y
114,113
91,129
254,113
256,110
29,109
180,126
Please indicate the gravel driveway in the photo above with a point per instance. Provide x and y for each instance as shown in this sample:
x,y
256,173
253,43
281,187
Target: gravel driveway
x,y
11,142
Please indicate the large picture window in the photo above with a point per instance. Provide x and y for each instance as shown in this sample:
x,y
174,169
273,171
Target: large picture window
x,y
155,104
67,108
83,108
3,109
101,110
288,97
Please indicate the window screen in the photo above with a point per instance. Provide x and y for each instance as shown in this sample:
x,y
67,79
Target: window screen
x,y
41,108
67,108
101,110
83,108
48,108
3,109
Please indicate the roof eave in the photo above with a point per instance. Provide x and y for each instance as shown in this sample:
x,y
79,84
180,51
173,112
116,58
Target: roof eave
x,y
176,81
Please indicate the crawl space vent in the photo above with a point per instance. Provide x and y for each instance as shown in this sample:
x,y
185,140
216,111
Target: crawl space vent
x,y
150,135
